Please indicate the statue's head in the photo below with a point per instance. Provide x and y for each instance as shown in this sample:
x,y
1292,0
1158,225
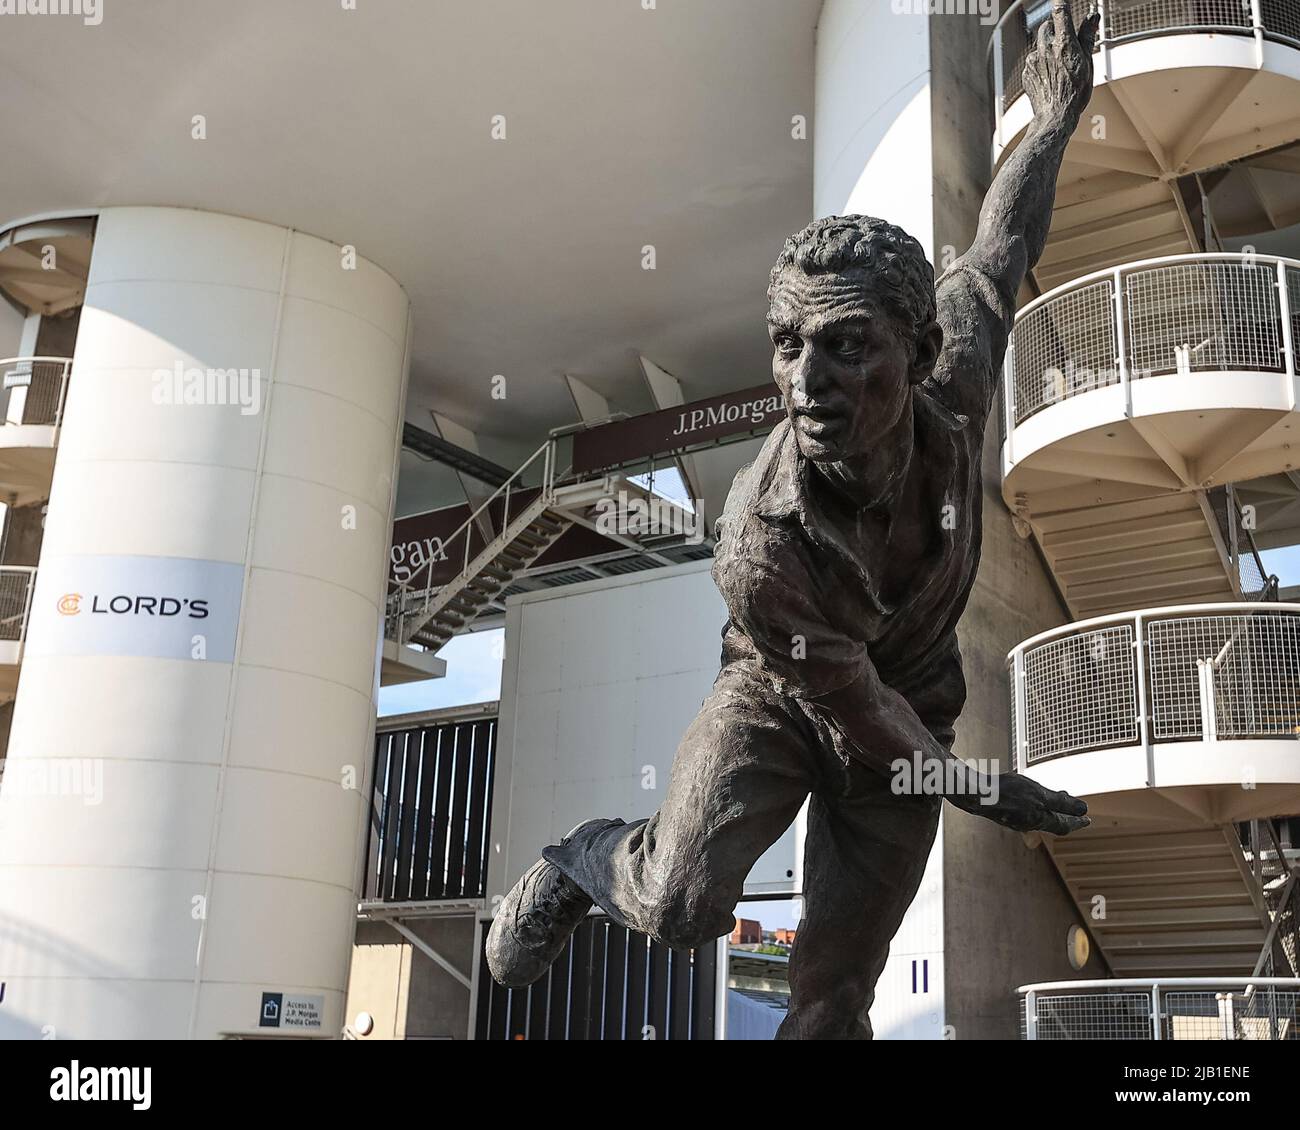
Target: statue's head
x,y
852,322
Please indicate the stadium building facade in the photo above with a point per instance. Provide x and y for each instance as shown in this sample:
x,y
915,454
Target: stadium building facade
x,y
372,327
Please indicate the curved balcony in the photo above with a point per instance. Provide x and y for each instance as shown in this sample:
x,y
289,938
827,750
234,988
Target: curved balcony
x,y
1165,714
1176,60
1130,393
16,584
35,389
1181,86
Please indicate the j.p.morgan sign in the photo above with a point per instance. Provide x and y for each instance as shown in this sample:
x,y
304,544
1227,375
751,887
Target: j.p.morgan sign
x,y
749,411
163,607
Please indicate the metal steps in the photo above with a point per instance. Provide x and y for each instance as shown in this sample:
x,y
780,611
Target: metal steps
x,y
530,520
1142,553
1160,901
459,604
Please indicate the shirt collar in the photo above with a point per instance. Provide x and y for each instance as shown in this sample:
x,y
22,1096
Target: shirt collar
x,y
785,496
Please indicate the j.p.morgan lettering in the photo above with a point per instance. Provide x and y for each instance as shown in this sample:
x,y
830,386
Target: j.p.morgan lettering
x,y
747,412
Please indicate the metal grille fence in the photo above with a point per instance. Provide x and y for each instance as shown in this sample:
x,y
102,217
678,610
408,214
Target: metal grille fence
x,y
1093,1016
1253,581
609,984
41,382
16,583
1134,18
1080,693
1184,314
1079,688
1065,347
1014,763
1174,1008
431,812
1254,661
1253,1014
1281,19
1203,316
1293,293
1125,20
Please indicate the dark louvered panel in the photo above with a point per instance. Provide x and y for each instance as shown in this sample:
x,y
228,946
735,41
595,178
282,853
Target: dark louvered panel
x,y
431,812
378,804
610,983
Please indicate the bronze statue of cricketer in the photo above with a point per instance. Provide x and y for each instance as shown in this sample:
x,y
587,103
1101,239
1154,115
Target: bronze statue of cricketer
x,y
846,553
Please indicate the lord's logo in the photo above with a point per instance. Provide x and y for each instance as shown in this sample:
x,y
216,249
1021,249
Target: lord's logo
x,y
123,605
69,604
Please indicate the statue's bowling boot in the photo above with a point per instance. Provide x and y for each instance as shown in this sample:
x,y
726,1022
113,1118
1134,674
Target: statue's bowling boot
x,y
535,919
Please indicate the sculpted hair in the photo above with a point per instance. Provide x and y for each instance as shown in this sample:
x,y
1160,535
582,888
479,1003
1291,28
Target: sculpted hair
x,y
893,265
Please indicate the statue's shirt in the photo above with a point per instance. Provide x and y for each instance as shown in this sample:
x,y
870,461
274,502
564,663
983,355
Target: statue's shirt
x,y
794,568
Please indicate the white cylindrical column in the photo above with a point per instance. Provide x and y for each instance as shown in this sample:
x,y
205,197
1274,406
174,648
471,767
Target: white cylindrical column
x,y
184,803
874,130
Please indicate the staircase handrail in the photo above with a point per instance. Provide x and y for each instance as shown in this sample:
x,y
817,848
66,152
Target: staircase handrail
x,y
547,454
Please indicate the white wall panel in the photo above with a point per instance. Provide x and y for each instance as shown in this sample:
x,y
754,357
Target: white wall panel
x,y
186,703
153,325
602,680
185,510
326,718
118,417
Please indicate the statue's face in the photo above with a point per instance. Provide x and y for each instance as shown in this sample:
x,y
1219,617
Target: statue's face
x,y
844,364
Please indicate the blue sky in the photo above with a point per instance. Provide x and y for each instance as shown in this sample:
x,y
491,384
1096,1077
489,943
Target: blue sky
x,y
473,675
1285,562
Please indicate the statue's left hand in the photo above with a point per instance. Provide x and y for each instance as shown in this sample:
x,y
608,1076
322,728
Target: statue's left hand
x,y
1023,805
1058,72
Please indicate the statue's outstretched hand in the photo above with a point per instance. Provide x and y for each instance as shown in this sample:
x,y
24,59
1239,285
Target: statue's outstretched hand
x,y
1023,805
1058,71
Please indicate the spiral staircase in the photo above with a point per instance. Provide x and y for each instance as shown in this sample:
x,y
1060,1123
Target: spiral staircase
x,y
1151,446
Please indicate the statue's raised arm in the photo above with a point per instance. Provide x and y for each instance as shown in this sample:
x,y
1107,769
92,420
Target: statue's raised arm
x,y
981,286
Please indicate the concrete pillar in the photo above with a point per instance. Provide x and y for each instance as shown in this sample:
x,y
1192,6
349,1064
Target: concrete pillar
x,y
198,690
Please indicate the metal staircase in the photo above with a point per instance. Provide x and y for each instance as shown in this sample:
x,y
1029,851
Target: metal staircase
x,y
1180,88
531,510
1161,901
454,606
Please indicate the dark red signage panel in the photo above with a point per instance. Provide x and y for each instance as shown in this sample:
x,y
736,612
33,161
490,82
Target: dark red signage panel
x,y
676,429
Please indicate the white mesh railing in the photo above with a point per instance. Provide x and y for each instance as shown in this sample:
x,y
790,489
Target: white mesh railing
x,y
1172,1008
1218,312
1133,18
1124,21
36,388
1080,693
1088,1016
1211,672
16,582
1203,316
1062,348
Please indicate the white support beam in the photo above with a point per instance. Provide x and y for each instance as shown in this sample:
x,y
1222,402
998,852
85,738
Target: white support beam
x,y
590,405
476,493
1114,157
666,392
1234,84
